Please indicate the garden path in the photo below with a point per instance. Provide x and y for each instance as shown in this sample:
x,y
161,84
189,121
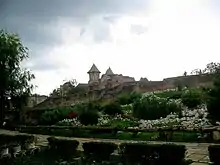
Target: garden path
x,y
197,152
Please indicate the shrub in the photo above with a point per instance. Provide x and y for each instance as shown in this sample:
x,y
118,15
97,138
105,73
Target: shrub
x,y
121,123
22,139
213,102
172,154
52,142
99,150
88,117
53,116
169,94
112,109
191,98
72,115
153,153
64,147
139,152
152,107
128,98
214,152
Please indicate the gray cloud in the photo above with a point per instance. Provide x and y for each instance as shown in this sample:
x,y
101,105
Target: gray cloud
x,y
35,20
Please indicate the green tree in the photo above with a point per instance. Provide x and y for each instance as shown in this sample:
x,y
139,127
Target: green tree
x,y
15,86
213,102
212,68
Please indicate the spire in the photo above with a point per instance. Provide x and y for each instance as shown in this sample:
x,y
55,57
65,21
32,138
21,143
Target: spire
x,y
94,69
109,71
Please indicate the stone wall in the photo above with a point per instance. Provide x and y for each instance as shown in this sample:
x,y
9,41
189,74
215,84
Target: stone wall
x,y
150,86
139,86
36,99
111,81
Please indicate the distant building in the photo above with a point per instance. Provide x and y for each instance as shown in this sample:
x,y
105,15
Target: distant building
x,y
107,80
36,99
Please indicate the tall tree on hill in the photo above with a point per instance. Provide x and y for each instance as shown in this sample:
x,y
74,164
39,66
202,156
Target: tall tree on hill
x,y
212,68
213,102
15,86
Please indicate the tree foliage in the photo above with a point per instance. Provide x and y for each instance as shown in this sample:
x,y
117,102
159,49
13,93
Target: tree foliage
x,y
213,102
15,86
68,88
212,68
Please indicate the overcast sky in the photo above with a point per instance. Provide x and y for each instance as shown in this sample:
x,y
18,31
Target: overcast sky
x,y
139,38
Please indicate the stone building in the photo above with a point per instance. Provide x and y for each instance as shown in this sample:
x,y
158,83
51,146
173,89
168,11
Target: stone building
x,y
36,99
108,80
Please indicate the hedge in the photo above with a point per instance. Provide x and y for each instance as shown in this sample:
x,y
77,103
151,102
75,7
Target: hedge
x,y
99,150
214,154
16,139
64,147
20,128
144,153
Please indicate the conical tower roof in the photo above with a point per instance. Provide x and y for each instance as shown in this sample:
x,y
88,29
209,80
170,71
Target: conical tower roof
x,y
109,71
94,69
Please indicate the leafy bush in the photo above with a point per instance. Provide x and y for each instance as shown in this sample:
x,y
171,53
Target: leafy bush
x,y
139,152
65,147
99,150
121,123
153,153
112,109
172,154
151,107
50,117
128,98
88,117
127,109
169,94
213,102
72,115
53,116
192,98
214,152
26,138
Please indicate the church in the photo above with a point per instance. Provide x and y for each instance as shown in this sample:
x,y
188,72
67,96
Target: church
x,y
107,80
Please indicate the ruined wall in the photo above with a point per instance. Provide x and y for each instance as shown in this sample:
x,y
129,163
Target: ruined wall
x,y
36,99
190,81
169,83
112,81
173,82
139,86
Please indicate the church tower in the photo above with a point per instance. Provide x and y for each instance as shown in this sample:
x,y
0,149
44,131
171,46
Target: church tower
x,y
93,77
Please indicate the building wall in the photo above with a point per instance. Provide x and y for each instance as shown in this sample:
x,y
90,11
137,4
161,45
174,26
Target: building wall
x,y
114,80
93,77
34,100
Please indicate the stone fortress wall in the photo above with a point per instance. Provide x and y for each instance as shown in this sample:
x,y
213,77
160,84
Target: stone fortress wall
x,y
110,85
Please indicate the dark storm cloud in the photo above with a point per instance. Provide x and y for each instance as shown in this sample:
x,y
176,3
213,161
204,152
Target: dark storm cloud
x,y
35,20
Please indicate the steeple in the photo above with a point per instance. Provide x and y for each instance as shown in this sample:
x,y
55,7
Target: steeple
x,y
109,71
94,69
93,74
